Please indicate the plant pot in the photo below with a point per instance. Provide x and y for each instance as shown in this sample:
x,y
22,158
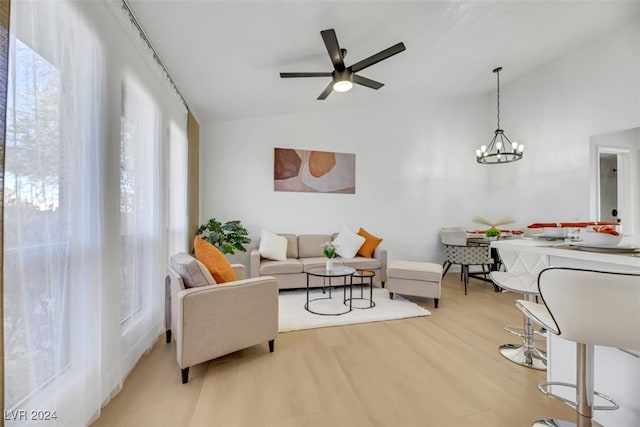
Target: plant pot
x,y
329,264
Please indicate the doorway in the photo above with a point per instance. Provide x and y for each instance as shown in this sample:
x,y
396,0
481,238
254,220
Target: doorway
x,y
614,179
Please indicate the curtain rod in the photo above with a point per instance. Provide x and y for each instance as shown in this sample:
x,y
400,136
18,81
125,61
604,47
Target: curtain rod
x,y
156,57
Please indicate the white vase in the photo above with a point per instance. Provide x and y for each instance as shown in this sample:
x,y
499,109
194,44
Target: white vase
x,y
329,264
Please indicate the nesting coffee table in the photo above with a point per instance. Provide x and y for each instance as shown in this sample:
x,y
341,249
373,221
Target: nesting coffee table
x,y
339,271
366,279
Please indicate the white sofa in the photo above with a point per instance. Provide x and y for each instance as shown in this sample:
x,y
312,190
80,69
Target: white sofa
x,y
304,252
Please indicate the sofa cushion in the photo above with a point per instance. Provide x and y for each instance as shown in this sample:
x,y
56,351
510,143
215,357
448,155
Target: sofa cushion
x,y
216,262
193,272
310,245
348,243
362,263
272,246
371,242
315,262
268,267
292,245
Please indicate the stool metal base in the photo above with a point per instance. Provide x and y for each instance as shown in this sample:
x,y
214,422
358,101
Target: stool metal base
x,y
519,332
523,356
551,422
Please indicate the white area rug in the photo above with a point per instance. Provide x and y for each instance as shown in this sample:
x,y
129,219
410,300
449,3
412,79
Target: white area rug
x,y
293,316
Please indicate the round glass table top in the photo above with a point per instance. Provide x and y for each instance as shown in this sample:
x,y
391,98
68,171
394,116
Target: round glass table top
x,y
336,271
364,273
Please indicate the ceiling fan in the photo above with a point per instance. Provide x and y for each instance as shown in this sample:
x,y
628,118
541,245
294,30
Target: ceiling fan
x,y
344,77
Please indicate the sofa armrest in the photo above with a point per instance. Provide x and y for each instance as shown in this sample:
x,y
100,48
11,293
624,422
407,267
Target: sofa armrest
x,y
240,271
381,254
254,263
216,320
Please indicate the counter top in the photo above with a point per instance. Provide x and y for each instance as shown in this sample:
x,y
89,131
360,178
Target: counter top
x,y
628,262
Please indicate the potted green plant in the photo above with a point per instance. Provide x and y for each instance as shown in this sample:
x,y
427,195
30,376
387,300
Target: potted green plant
x,y
329,251
492,233
227,237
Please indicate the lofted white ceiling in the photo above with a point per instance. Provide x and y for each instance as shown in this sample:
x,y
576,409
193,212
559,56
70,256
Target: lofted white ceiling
x,y
225,56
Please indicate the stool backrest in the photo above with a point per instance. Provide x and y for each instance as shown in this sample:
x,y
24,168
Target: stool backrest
x,y
593,307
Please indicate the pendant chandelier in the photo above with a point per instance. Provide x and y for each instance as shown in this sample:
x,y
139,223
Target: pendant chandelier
x,y
500,149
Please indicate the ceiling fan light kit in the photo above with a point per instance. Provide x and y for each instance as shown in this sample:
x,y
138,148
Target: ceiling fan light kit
x,y
500,149
344,77
343,81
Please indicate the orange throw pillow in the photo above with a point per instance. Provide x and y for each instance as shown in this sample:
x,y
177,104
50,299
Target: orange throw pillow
x,y
214,260
370,244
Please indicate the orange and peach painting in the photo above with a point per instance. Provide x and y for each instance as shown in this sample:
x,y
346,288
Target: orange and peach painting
x,y
314,171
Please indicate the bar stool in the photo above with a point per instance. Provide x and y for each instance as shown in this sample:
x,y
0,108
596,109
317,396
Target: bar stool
x,y
525,354
590,308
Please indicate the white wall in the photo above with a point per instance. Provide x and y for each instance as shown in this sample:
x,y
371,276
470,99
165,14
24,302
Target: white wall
x,y
413,173
415,165
554,111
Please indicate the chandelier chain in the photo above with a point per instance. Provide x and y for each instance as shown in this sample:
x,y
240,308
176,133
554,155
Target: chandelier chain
x,y
498,78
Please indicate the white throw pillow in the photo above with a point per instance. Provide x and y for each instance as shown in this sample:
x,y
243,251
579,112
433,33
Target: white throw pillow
x,y
272,246
348,243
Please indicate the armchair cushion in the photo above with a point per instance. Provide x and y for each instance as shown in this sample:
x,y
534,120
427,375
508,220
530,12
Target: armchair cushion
x,y
193,272
214,260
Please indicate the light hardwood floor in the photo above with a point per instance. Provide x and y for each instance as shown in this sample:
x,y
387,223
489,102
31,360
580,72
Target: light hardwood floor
x,y
440,370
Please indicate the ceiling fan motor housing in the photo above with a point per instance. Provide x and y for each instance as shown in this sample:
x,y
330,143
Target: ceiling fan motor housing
x,y
344,75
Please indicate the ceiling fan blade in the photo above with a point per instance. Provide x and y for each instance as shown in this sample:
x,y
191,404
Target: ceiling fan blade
x,y
331,42
374,59
327,90
367,82
288,75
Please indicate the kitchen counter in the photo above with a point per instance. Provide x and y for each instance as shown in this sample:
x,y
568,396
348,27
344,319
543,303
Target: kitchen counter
x,y
558,253
616,371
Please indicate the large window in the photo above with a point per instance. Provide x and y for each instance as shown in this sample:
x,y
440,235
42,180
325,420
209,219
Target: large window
x,y
85,247
130,209
177,200
36,227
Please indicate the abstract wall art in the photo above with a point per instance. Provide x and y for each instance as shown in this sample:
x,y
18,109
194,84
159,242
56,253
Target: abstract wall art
x,y
314,171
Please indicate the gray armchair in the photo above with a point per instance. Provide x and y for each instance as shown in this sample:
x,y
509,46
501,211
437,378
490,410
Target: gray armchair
x,y
213,320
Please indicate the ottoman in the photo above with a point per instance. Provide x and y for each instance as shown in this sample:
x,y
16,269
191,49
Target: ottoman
x,y
415,278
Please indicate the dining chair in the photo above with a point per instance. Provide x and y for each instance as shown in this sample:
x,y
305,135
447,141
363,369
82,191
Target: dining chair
x,y
457,251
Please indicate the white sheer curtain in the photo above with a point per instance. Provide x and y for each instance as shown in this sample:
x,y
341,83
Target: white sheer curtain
x,y
178,206
142,246
53,214
84,286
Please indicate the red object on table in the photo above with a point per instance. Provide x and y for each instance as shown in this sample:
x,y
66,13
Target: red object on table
x,y
570,224
605,229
